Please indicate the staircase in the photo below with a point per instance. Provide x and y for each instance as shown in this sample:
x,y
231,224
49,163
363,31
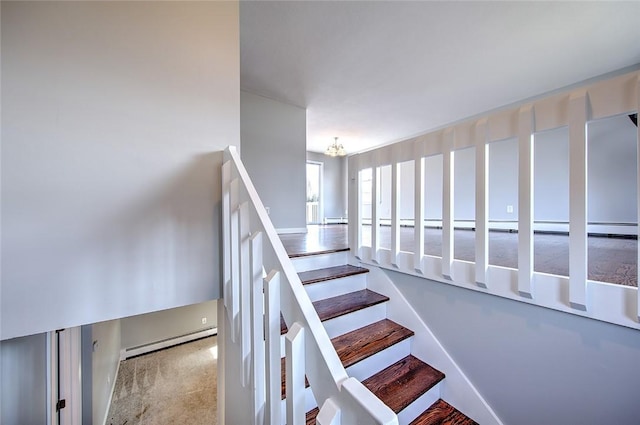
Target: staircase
x,y
372,348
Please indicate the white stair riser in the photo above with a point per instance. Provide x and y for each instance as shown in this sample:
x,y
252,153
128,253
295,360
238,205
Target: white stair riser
x,y
310,403
421,404
349,322
334,287
379,361
320,261
352,321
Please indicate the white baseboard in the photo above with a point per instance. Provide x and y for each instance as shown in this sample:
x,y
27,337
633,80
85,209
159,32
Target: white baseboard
x,y
126,353
113,388
286,230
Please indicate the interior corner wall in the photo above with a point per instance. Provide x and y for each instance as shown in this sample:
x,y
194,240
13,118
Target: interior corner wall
x,y
531,364
114,116
274,145
334,184
102,341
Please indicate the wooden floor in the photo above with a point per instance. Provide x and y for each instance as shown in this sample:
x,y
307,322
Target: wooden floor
x,y
329,238
612,260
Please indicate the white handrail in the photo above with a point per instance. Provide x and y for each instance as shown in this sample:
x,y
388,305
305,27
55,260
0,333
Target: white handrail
x,y
246,224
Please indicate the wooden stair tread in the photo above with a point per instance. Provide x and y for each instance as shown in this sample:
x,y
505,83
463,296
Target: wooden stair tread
x,y
442,413
357,345
319,252
403,382
283,379
311,416
360,344
329,273
330,308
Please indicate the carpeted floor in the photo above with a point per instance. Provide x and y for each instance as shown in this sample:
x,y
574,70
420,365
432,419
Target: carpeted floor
x,y
177,385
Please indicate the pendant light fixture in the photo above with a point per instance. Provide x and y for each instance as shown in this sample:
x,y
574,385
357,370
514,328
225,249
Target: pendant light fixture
x,y
335,149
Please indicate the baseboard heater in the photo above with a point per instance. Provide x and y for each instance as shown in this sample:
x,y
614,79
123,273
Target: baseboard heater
x,y
335,220
127,353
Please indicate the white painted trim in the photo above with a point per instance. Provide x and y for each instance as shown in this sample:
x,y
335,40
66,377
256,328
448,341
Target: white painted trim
x,y
113,389
289,230
51,378
127,353
70,382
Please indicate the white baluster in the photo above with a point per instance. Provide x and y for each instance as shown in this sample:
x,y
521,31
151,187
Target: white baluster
x,y
295,364
375,213
482,179
272,343
245,291
226,230
418,224
235,261
329,414
257,330
447,204
578,104
526,128
395,212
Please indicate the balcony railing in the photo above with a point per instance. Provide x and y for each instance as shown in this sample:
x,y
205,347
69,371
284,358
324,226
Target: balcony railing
x,y
575,293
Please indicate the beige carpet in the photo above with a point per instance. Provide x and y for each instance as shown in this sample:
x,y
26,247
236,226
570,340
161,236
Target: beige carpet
x,y
177,385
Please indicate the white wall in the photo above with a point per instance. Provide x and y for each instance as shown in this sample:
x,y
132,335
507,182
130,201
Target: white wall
x,y
274,144
111,114
531,364
334,180
166,324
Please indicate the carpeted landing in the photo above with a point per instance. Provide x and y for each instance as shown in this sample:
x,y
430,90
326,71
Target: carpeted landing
x,y
177,385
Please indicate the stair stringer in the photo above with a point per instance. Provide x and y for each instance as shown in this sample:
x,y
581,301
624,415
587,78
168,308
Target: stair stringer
x,y
457,390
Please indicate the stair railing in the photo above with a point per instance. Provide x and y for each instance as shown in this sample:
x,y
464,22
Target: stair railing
x,y
260,283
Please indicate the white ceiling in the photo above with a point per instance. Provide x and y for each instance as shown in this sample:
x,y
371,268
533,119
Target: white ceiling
x,y
376,72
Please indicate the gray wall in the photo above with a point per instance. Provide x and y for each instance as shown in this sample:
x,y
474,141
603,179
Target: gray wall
x,y
612,175
274,143
464,184
166,324
551,175
111,113
23,383
433,187
533,365
334,178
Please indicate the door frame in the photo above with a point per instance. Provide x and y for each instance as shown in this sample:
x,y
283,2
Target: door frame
x,y
64,361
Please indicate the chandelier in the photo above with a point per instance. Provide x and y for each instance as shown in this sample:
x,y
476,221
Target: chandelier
x,y
335,149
